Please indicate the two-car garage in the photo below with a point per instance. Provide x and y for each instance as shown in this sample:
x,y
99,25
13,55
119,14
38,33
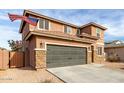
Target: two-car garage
x,y
59,56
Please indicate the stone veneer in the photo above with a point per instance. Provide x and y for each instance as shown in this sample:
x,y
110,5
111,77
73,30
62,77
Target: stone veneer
x,y
40,58
98,58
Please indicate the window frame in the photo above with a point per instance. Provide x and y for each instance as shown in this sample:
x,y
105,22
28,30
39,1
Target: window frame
x,y
100,50
78,31
98,32
44,24
67,28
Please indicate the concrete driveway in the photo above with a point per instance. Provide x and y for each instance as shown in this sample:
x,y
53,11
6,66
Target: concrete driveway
x,y
90,73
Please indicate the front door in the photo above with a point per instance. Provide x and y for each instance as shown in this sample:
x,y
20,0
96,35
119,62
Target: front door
x,y
92,56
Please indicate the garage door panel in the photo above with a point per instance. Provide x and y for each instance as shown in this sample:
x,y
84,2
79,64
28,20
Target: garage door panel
x,y
54,59
62,64
65,56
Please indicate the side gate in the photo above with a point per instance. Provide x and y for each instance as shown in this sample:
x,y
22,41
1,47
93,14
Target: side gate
x,y
16,59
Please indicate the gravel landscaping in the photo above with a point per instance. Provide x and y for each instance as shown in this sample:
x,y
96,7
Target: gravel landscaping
x,y
27,75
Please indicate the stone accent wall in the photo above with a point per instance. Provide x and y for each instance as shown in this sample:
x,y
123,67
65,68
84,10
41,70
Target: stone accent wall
x,y
98,58
40,57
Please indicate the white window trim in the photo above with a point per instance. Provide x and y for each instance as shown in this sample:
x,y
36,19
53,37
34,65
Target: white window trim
x,y
67,28
49,25
99,32
37,49
102,51
78,30
44,25
70,28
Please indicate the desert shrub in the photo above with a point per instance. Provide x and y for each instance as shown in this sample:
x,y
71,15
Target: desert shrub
x,y
48,80
113,58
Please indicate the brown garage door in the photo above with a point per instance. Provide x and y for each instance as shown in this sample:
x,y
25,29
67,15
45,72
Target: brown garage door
x,y
58,56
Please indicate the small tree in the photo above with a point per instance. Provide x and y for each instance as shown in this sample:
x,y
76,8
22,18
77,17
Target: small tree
x,y
14,44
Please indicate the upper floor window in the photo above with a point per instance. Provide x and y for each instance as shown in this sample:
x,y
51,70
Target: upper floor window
x,y
67,29
98,32
99,50
43,24
78,32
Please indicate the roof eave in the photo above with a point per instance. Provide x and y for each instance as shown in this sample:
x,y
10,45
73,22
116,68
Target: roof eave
x,y
40,15
94,24
22,22
56,36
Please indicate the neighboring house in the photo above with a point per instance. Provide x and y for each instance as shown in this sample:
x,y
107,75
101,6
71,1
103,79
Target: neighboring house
x,y
55,43
115,49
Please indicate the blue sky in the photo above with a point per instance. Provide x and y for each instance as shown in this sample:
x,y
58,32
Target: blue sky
x,y
112,19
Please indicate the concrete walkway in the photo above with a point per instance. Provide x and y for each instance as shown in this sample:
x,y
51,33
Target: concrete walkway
x,y
90,73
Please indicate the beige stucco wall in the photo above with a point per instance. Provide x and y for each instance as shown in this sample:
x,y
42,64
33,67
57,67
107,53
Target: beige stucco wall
x,y
58,42
54,26
32,45
25,30
26,49
46,40
34,42
86,30
93,33
99,43
25,44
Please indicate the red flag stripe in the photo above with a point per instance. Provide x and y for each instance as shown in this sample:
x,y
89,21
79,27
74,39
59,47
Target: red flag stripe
x,y
14,17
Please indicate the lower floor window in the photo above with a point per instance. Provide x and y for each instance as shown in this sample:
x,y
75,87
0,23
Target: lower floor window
x,y
99,51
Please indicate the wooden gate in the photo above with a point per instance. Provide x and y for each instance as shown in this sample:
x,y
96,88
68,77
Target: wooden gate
x,y
16,59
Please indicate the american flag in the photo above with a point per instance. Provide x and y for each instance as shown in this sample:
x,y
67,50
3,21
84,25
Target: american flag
x,y
30,20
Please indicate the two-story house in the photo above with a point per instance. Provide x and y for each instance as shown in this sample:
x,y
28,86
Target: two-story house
x,y
55,43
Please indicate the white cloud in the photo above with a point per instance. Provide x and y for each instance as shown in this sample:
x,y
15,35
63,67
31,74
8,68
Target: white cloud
x,y
112,19
4,17
4,13
15,11
8,33
115,28
8,30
